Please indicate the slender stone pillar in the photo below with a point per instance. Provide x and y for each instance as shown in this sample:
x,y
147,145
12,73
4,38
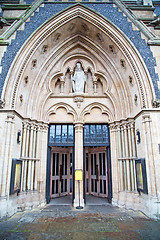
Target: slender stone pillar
x,y
29,180
27,140
43,160
120,156
38,154
7,159
124,155
24,139
114,143
134,150
130,156
127,157
150,162
78,161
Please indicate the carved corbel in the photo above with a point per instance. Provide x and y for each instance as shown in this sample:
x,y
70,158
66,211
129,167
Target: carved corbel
x,y
78,100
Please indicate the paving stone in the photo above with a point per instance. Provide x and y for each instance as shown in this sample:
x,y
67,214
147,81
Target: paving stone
x,y
93,222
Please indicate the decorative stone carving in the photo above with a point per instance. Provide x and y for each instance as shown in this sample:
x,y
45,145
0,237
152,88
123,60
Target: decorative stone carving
x,y
34,63
136,99
71,27
2,103
112,49
44,48
78,79
131,80
57,37
156,103
100,37
26,80
78,100
85,27
123,63
21,98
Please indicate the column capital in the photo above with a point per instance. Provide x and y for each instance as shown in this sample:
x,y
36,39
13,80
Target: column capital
x,y
131,124
25,124
146,118
78,124
10,118
44,127
113,127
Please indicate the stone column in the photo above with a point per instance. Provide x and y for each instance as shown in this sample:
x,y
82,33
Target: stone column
x,y
27,140
43,160
134,150
150,161
7,156
24,139
127,156
38,154
79,161
120,156
114,146
123,156
132,160
30,142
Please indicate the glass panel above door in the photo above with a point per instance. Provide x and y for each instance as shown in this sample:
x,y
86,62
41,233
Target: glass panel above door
x,y
61,135
96,135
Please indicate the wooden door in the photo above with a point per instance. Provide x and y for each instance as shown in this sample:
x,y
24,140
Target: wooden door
x,y
61,171
96,171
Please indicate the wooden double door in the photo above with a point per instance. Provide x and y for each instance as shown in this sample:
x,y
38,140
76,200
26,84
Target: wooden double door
x,y
61,171
96,180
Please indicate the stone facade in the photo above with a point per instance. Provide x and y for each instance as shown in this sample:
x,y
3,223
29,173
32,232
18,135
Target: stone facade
x,y
120,57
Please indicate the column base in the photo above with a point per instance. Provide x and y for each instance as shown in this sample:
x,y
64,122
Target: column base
x,y
76,203
79,207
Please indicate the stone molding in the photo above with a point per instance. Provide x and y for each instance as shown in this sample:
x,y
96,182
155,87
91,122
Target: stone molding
x,y
80,11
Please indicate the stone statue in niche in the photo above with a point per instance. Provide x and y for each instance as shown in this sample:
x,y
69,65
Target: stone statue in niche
x,y
78,79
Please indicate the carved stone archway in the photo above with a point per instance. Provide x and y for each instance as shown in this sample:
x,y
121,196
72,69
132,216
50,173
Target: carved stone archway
x,y
38,85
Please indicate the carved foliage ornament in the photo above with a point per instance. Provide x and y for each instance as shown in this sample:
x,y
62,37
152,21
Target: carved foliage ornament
x,y
34,63
44,48
26,80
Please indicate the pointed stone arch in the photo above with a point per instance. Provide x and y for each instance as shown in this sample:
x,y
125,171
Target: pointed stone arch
x,y
126,57
69,115
104,111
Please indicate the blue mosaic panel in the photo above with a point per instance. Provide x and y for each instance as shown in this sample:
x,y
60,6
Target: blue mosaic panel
x,y
157,10
29,1
105,9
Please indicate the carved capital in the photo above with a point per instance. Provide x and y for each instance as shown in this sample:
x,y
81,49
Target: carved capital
x,y
146,117
10,118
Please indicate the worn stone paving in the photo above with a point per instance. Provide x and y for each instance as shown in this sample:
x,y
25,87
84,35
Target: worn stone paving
x,y
92,222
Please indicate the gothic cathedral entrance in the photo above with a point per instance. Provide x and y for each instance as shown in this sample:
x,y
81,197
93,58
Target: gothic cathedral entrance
x,y
96,161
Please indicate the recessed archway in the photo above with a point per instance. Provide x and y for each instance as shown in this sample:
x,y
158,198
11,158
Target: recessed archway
x,y
78,34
